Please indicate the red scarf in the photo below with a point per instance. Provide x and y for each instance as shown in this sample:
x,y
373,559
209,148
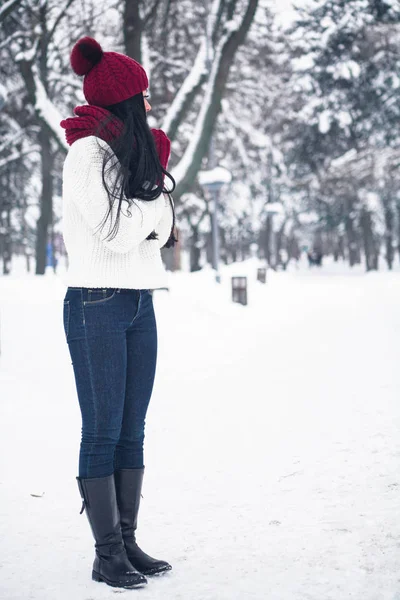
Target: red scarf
x,y
94,120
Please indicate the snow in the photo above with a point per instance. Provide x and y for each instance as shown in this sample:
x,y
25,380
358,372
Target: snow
x,y
325,121
212,21
274,208
232,25
217,175
303,63
308,218
28,55
272,448
344,118
258,138
348,70
237,199
372,202
342,160
284,12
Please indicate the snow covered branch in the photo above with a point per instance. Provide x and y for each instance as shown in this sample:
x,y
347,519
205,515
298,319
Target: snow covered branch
x,y
7,8
186,92
48,113
236,30
9,141
195,78
44,107
16,156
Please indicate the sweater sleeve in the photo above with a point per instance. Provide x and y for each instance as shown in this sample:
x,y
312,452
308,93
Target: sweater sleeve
x,y
165,224
83,183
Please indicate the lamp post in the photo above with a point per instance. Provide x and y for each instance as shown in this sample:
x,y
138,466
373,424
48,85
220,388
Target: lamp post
x,y
212,181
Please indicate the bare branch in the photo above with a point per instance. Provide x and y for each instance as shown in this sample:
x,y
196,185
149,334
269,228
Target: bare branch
x,y
151,14
7,8
58,19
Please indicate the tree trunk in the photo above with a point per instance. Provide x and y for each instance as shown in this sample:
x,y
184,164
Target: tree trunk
x,y
389,222
132,29
267,239
351,236
168,257
338,246
398,227
177,252
195,252
223,247
209,248
7,244
341,246
293,247
371,258
280,237
46,201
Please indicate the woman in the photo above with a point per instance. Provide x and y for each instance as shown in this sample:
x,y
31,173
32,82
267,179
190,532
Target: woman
x,y
114,175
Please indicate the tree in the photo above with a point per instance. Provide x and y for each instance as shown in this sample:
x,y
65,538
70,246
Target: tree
x,y
347,68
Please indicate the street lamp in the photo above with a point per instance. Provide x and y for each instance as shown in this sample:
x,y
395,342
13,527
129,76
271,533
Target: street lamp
x,y
212,181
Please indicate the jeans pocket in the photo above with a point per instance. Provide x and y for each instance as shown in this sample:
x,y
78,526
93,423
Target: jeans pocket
x,y
66,317
99,296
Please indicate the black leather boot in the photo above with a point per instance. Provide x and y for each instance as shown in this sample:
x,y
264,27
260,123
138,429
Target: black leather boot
x,y
111,563
128,483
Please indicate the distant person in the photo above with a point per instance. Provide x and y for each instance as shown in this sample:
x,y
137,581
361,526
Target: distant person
x,y
114,173
314,258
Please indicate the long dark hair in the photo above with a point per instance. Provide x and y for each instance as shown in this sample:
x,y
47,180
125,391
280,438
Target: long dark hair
x,y
138,173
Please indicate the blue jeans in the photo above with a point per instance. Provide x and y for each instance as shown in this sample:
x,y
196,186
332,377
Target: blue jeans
x,y
112,339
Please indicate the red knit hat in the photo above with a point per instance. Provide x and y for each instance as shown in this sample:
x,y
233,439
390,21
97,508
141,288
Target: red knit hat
x,y
110,77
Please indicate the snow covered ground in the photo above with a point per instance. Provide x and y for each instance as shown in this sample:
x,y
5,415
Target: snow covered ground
x,y
272,452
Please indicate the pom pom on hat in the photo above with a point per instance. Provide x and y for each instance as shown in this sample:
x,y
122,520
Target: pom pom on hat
x,y
85,55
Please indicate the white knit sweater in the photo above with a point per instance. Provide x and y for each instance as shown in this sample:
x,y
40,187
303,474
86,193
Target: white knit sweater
x,y
126,261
